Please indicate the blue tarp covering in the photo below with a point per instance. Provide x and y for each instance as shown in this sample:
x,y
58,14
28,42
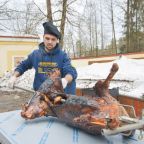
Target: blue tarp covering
x,y
47,130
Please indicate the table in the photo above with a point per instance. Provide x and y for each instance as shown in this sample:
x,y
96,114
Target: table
x,y
47,130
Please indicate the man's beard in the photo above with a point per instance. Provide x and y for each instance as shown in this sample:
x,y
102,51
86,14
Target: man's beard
x,y
49,47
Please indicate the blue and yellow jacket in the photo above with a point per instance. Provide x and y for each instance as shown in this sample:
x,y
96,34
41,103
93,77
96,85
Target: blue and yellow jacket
x,y
43,62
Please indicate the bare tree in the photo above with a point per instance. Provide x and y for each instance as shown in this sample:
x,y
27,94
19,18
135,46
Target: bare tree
x,y
73,46
90,29
128,25
3,14
102,35
62,12
49,11
67,16
63,20
79,42
96,29
22,21
26,22
113,26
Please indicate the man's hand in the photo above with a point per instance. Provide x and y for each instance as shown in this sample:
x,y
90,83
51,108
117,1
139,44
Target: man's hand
x,y
64,83
67,79
12,81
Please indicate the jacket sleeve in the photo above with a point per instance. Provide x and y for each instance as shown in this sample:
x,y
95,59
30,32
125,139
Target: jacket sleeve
x,y
68,68
25,64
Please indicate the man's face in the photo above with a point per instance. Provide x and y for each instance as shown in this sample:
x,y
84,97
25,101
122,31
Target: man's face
x,y
50,41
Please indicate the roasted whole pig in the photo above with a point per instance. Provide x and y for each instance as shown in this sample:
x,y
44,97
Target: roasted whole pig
x,y
89,113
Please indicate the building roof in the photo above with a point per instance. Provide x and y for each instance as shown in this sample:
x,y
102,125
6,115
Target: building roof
x,y
21,36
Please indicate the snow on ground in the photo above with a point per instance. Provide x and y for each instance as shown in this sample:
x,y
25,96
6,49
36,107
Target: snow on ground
x,y
26,80
129,78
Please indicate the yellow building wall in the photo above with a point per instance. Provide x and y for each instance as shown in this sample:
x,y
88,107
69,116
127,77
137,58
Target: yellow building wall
x,y
11,49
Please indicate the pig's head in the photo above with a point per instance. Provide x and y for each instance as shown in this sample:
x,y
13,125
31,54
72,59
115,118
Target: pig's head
x,y
38,107
43,100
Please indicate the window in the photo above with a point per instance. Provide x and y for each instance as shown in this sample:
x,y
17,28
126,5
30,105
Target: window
x,y
17,60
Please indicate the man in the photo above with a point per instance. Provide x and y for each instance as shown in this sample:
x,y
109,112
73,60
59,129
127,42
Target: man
x,y
47,57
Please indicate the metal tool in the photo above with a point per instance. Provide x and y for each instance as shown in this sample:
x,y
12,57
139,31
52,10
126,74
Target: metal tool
x,y
25,89
138,125
34,93
141,136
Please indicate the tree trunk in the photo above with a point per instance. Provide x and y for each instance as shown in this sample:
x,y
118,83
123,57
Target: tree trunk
x,y
102,37
90,33
49,11
96,33
128,26
113,27
63,20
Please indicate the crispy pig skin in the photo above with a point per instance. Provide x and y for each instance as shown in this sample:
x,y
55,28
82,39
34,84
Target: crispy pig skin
x,y
89,113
